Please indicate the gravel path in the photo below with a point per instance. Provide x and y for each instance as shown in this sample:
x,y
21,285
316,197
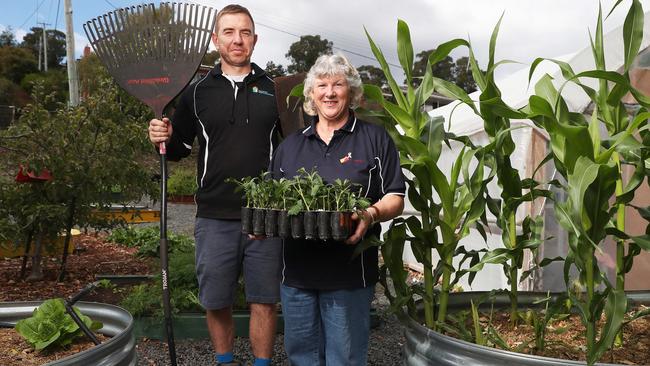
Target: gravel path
x,y
385,347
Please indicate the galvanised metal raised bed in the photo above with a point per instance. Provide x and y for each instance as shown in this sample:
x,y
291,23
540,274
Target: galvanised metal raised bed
x,y
119,350
424,347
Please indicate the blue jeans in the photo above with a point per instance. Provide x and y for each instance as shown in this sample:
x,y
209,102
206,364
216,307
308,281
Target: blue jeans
x,y
326,327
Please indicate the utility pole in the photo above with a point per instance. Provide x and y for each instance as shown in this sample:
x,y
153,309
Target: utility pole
x,y
44,44
40,54
73,79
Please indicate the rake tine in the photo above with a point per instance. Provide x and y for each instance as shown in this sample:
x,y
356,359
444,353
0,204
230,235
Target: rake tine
x,y
126,37
113,43
107,40
101,51
173,39
200,33
191,35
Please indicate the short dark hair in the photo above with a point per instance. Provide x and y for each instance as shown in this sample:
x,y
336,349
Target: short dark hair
x,y
234,9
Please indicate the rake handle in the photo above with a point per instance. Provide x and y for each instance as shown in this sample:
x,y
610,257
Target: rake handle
x,y
164,251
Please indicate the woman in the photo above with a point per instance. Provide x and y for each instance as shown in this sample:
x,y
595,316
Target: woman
x,y
326,291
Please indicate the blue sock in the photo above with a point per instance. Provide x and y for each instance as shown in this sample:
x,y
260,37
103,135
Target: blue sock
x,y
262,362
225,357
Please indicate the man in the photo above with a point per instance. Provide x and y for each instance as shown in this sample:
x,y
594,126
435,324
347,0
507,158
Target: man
x,y
233,113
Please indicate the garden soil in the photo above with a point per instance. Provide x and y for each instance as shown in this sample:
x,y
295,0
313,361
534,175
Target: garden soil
x,y
15,351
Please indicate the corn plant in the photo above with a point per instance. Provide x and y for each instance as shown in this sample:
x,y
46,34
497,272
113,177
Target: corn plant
x,y
608,140
496,115
459,200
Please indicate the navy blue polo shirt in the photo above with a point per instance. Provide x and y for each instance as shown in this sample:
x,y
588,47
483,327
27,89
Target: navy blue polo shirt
x,y
365,154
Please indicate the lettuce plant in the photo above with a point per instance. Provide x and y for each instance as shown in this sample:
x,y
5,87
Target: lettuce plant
x,y
50,326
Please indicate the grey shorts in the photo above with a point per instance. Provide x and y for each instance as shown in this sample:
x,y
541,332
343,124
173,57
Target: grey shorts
x,y
223,252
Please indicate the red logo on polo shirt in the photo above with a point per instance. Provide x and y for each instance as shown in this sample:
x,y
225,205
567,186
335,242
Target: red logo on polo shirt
x,y
346,158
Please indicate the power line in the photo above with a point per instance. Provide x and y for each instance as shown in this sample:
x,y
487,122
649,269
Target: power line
x,y
111,4
32,14
338,48
56,23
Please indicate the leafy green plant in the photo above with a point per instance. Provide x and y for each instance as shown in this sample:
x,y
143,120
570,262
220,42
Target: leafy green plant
x,y
182,182
459,202
246,186
147,240
145,299
50,326
346,196
280,193
308,186
593,173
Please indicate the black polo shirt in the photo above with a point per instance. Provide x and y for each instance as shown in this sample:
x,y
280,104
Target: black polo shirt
x,y
366,155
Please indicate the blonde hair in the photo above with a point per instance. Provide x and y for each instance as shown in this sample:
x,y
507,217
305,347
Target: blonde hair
x,y
328,66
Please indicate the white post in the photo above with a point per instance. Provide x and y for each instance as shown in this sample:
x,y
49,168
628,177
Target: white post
x,y
44,46
73,79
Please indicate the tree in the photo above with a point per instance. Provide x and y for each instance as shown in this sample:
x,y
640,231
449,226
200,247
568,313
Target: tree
x,y
463,74
443,69
211,58
89,151
303,53
274,70
55,44
12,94
7,38
54,81
16,62
373,75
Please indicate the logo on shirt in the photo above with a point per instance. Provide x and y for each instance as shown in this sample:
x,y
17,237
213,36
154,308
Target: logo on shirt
x,y
346,158
260,91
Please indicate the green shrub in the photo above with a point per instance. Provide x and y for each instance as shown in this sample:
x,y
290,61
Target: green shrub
x,y
147,240
182,182
146,299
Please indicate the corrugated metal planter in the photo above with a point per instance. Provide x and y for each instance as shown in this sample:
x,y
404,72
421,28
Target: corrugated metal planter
x,y
118,324
424,347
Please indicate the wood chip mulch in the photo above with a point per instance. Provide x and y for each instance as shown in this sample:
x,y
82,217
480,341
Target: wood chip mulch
x,y
93,255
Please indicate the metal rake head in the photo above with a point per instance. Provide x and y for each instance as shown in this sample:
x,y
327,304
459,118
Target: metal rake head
x,y
152,52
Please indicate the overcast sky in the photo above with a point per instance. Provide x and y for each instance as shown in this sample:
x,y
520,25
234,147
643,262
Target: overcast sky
x,y
530,28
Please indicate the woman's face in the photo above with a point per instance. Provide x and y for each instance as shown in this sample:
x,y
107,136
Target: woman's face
x,y
331,97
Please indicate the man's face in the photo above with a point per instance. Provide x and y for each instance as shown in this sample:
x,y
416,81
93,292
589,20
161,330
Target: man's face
x,y
235,39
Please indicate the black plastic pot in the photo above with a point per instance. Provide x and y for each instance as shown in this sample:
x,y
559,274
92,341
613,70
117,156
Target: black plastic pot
x,y
271,223
424,346
258,221
119,350
341,225
298,226
311,231
324,224
284,227
246,220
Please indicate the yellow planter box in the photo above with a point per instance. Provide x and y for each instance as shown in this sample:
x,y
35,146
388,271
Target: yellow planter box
x,y
12,250
130,215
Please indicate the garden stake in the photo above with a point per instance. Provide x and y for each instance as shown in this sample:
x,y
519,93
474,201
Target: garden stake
x,y
69,303
153,53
